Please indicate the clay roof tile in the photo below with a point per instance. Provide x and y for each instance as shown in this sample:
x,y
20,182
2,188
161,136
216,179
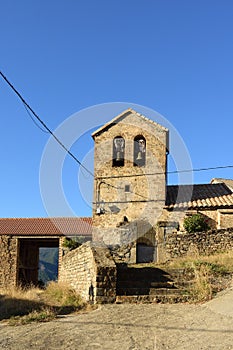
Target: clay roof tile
x,y
199,196
46,226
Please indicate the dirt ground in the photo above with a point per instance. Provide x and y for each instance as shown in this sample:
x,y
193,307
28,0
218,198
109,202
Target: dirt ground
x,y
132,327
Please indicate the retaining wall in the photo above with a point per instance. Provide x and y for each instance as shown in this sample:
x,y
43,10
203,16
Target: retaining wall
x,y
181,243
91,271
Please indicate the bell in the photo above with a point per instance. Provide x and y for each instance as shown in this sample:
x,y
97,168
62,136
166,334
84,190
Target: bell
x,y
118,156
139,157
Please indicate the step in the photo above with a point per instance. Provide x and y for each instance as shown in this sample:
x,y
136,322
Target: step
x,y
149,291
139,284
166,291
144,273
152,299
180,273
133,284
168,284
133,291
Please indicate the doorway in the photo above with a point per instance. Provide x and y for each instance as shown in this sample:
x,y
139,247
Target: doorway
x,y
145,251
28,259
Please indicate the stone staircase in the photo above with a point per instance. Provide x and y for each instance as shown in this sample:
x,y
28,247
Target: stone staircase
x,y
152,285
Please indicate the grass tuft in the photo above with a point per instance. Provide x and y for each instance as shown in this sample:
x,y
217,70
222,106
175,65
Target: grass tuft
x,y
60,294
43,315
201,288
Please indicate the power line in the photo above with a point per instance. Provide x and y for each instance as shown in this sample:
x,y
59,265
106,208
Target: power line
x,y
44,125
200,169
38,126
168,172
48,130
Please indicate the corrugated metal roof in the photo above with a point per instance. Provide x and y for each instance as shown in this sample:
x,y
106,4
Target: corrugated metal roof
x,y
46,226
199,196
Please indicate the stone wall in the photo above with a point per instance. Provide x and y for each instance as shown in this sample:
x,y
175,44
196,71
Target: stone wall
x,y
225,218
8,261
91,271
180,243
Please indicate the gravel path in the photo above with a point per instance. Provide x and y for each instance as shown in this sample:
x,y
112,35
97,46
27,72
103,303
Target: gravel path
x,y
132,327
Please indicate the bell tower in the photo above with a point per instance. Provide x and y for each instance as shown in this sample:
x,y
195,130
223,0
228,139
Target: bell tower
x,y
130,177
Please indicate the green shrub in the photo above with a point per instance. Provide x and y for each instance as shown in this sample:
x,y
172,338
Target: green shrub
x,y
73,243
195,223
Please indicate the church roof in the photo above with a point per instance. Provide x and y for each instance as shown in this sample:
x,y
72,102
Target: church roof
x,y
213,195
68,226
123,115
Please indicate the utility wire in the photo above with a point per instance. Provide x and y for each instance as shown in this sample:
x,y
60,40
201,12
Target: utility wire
x,y
38,126
200,169
167,172
44,125
47,129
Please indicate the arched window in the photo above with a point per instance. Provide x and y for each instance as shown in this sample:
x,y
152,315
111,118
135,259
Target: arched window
x,y
139,151
118,158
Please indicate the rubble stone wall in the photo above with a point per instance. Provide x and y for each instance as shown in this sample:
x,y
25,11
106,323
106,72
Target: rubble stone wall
x,y
181,243
8,261
91,271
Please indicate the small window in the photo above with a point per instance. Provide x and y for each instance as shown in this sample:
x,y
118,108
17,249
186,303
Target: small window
x,y
118,151
127,188
139,151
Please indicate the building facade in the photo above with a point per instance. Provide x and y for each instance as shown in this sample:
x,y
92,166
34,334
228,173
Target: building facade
x,y
132,203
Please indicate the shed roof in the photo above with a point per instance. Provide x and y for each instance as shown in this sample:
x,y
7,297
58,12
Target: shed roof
x,y
46,226
214,195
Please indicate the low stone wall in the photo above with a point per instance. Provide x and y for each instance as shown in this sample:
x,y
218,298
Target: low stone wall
x,y
91,271
8,261
181,243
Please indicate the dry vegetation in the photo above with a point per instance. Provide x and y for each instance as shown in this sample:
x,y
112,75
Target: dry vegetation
x,y
212,273
20,306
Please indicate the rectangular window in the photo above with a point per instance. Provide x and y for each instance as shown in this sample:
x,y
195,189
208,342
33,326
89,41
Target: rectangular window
x,y
127,188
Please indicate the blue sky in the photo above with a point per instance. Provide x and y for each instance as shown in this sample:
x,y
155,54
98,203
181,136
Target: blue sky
x,y
172,56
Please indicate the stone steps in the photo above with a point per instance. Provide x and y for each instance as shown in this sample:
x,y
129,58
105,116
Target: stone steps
x,y
151,285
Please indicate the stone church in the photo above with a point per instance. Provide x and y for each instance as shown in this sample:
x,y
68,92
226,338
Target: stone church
x,y
134,210
133,206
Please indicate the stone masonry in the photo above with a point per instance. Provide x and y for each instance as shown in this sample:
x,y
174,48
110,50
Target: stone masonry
x,y
127,193
8,259
205,243
91,271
